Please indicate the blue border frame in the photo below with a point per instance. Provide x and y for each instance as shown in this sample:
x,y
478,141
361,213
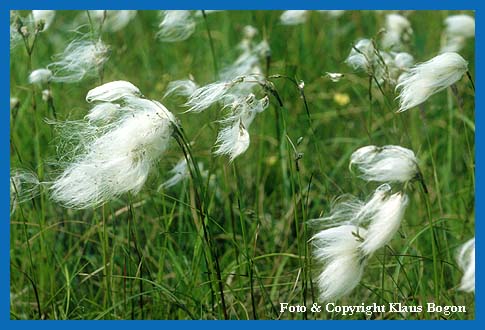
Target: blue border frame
x,y
6,5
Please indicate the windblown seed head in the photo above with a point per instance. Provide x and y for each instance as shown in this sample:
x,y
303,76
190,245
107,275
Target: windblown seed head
x,y
175,25
362,55
385,164
179,172
43,16
40,76
338,250
460,26
203,97
403,61
116,157
429,78
294,17
466,261
398,30
181,87
458,29
384,221
232,140
80,59
112,91
114,20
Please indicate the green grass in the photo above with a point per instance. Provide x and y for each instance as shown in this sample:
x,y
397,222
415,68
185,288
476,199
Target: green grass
x,y
236,246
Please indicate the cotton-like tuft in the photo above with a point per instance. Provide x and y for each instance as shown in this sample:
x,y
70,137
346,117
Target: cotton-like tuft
x,y
384,221
117,157
175,25
343,265
181,87
398,30
179,172
40,76
460,26
362,55
104,112
466,261
114,20
428,78
294,17
80,59
385,164
112,91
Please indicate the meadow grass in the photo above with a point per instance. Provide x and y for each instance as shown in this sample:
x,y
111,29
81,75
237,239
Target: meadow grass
x,y
234,243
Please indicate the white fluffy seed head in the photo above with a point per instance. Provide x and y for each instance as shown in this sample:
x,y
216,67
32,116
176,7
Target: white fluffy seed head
x,y
80,59
179,172
293,17
112,91
385,164
175,25
40,76
466,262
403,61
428,78
114,20
362,55
45,16
384,221
338,250
398,30
460,26
203,97
117,157
181,87
232,140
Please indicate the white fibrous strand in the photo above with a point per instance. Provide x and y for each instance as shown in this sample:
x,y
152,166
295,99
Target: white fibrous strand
x,y
428,78
80,59
184,88
175,25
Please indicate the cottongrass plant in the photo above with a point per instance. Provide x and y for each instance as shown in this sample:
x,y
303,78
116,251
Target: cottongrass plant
x,y
40,76
82,58
458,28
466,262
338,249
385,164
398,31
429,78
185,87
235,93
118,153
372,223
175,25
294,17
178,173
113,20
